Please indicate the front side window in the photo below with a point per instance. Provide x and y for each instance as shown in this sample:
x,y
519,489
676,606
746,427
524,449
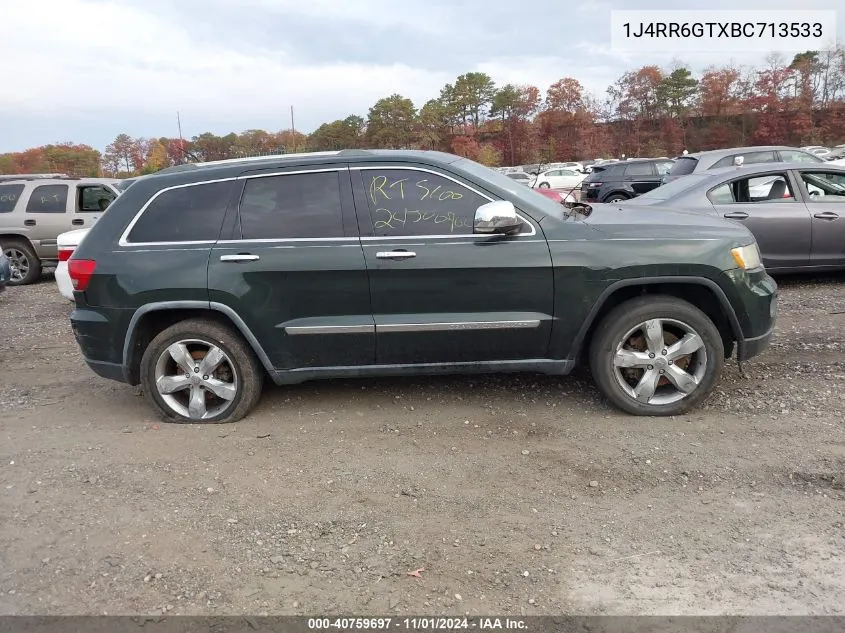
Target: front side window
x,y
9,196
797,156
293,206
192,213
406,202
93,198
663,168
824,186
48,199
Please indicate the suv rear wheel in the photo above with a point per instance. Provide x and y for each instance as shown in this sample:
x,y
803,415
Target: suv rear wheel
x,y
26,267
201,372
656,355
616,197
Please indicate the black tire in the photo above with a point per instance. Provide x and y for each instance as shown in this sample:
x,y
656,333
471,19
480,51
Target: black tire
x,y
26,251
612,330
616,197
544,185
250,374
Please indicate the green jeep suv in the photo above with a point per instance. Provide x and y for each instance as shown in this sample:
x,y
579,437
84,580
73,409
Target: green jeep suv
x,y
200,282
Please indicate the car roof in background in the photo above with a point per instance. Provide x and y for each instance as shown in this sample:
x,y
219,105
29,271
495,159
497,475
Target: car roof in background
x,y
733,150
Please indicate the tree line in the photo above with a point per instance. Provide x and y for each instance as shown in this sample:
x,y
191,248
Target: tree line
x,y
650,111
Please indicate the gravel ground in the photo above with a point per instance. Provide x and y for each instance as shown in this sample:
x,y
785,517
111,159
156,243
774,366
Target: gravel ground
x,y
502,494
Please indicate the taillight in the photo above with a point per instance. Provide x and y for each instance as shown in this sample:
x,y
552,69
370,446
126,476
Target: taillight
x,y
80,271
64,254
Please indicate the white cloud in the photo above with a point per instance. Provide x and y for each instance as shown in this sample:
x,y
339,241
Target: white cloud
x,y
101,56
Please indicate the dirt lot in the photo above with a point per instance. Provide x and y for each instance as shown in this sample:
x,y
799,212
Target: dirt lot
x,y
511,494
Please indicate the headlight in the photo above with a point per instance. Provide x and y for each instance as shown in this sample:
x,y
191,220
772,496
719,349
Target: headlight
x,y
747,257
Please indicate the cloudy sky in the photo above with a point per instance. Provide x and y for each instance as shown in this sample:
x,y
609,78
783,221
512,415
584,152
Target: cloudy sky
x,y
86,70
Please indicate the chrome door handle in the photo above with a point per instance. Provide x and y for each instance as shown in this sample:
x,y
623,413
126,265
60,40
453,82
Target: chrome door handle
x,y
240,257
826,215
736,215
395,254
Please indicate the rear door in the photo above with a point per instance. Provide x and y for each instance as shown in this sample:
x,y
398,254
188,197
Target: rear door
x,y
47,215
767,205
440,293
641,177
824,191
290,264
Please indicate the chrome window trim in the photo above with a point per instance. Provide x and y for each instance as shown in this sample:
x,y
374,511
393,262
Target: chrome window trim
x,y
123,241
123,237
447,177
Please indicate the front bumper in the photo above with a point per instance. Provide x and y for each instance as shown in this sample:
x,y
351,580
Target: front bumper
x,y
755,298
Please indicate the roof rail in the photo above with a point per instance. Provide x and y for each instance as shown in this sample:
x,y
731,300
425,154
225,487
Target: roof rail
x,y
250,159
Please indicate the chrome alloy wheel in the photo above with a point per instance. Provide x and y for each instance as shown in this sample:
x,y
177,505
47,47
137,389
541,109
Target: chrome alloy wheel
x,y
19,263
660,361
196,379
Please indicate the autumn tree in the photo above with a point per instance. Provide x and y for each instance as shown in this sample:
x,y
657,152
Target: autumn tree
x,y
390,123
347,133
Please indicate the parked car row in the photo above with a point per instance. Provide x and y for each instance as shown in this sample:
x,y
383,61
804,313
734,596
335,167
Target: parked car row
x,y
35,210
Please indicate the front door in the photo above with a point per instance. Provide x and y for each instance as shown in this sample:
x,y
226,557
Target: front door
x,y
826,202
441,294
90,203
767,205
291,266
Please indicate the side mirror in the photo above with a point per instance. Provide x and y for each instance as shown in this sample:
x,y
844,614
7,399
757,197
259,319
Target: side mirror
x,y
496,217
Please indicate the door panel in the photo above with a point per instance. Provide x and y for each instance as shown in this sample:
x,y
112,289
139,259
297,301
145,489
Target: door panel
x,y
825,195
46,215
767,205
439,293
294,270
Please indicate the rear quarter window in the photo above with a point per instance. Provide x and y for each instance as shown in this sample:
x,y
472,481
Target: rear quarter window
x,y
639,170
9,196
192,213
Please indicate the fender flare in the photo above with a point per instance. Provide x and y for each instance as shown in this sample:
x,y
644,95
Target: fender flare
x,y
724,302
242,327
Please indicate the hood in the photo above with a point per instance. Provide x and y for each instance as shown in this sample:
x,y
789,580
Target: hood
x,y
628,221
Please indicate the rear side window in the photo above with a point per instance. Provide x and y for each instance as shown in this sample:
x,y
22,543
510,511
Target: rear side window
x,y
184,214
639,169
747,159
9,196
295,206
683,166
48,199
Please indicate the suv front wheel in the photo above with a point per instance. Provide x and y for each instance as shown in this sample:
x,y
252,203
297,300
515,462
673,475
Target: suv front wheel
x,y
656,355
198,371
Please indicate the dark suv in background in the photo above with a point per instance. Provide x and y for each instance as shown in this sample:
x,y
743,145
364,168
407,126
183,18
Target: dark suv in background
x,y
199,283
613,182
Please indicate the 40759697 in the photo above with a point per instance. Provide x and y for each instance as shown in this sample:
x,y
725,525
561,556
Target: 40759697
x,y
349,624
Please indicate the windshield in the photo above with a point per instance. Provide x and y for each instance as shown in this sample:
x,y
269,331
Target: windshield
x,y
521,193
670,189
